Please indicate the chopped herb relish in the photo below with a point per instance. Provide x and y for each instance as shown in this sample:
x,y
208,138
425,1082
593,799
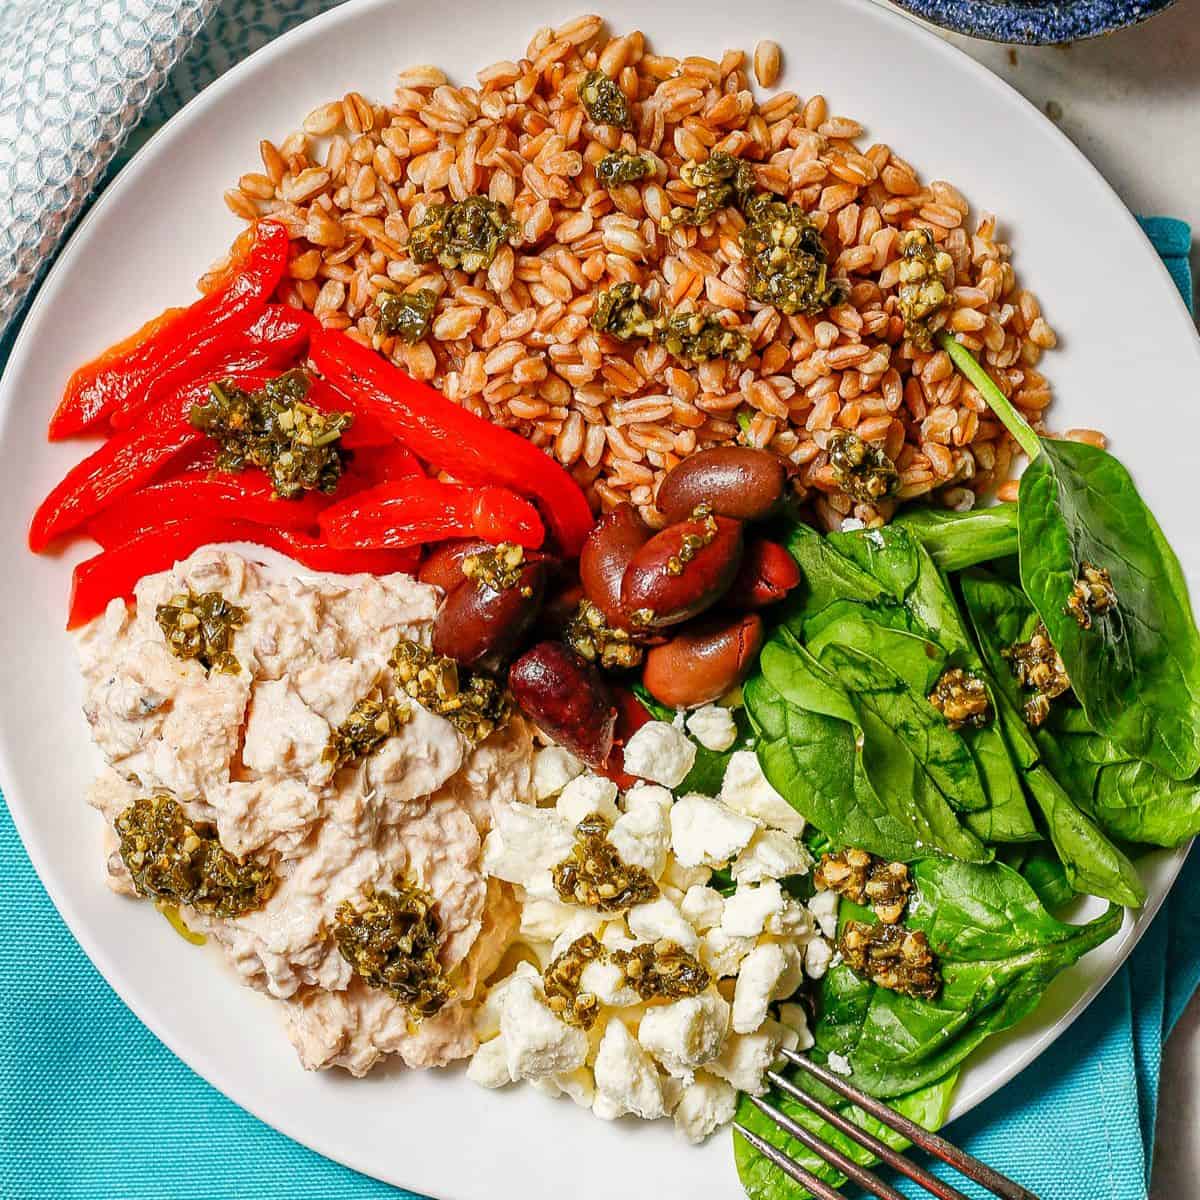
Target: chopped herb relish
x,y
662,970
786,259
961,698
392,943
407,315
369,724
622,313
695,338
463,236
862,471
603,101
595,640
201,627
173,858
891,957
594,874
561,980
720,181
499,567
924,273
1039,668
866,879
272,428
1091,595
475,704
622,167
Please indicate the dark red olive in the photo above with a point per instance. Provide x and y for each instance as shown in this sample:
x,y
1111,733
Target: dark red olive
x,y
567,699
560,606
768,572
443,565
478,625
734,481
607,552
704,662
681,571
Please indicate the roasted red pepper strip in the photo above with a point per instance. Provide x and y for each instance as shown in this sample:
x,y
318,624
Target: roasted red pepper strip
x,y
199,495
185,341
450,437
115,572
121,465
414,511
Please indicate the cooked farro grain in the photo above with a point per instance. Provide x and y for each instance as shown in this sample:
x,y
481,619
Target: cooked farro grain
x,y
513,342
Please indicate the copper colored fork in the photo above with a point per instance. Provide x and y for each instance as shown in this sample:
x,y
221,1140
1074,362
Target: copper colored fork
x,y
972,1168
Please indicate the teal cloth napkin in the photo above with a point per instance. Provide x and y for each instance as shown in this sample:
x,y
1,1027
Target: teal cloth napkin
x,y
94,1107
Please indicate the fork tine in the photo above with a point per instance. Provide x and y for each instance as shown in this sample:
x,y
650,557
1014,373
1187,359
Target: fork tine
x,y
960,1160
881,1150
852,1170
806,1179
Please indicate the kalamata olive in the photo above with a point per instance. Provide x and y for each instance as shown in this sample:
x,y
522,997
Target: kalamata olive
x,y
561,605
567,699
681,571
607,552
443,565
734,481
768,572
478,625
704,662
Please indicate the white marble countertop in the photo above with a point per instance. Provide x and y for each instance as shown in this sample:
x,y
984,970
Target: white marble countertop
x,y
1131,102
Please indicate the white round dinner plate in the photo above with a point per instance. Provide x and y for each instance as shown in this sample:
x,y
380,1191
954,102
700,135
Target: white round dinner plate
x,y
1128,362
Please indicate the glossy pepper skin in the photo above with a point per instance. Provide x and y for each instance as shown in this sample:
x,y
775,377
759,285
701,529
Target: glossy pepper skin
x,y
179,341
410,512
451,438
115,572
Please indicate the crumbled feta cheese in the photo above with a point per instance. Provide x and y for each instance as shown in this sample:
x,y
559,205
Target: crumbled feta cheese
x,y
615,936
685,1034
839,1064
606,981
817,955
672,1088
585,922
681,877
721,954
536,1042
553,769
795,1018
852,525
713,727
642,834
771,854
525,843
757,980
746,1057
577,1084
489,1065
706,833
626,1078
586,795
487,1015
543,919
745,789
704,1107
702,907
793,970
824,909
661,919
751,909
660,752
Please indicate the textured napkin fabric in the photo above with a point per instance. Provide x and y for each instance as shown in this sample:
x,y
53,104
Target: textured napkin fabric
x,y
92,1106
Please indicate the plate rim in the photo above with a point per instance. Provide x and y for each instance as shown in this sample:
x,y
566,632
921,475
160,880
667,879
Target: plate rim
x,y
210,1068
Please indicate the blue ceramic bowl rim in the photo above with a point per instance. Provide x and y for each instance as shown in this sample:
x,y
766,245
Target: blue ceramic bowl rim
x,y
1034,22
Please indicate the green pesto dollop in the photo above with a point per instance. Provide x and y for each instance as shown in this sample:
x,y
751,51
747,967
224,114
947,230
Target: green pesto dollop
x,y
475,704
694,337
603,100
864,472
623,313
622,167
462,236
201,627
369,724
720,181
408,315
173,858
786,259
273,428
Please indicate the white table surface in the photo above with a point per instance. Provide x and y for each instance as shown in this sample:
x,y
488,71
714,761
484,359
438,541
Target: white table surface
x,y
1131,102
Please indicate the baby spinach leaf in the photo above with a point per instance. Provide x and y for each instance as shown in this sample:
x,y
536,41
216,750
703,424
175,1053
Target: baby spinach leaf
x,y
1001,614
1136,671
955,540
